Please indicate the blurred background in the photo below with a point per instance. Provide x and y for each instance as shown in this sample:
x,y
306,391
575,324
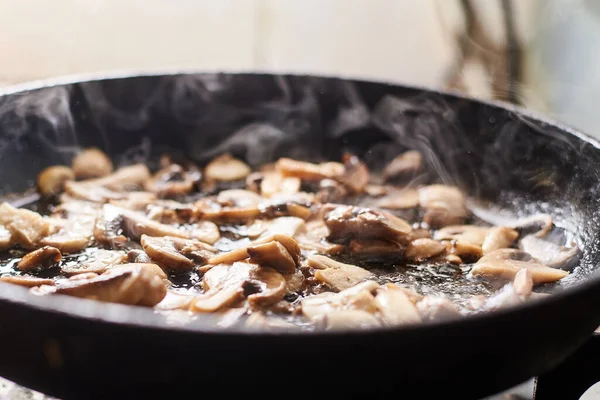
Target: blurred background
x,y
539,53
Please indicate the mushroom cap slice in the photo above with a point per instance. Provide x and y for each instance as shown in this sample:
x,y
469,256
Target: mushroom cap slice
x,y
395,306
133,284
499,237
26,227
135,225
164,250
272,254
506,263
43,257
471,234
51,180
348,222
226,168
91,163
424,248
100,260
547,252
338,275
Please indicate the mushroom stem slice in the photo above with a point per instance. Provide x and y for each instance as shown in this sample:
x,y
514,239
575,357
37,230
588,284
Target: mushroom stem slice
x,y
42,258
506,263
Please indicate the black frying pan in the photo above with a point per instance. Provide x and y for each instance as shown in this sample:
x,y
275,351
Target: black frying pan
x,y
75,348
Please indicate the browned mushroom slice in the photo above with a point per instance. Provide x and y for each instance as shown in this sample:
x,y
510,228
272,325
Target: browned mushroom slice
x,y
357,297
98,262
499,237
176,253
338,275
330,191
171,181
108,187
241,253
272,254
547,252
283,207
227,285
91,163
51,181
133,284
207,209
422,249
135,225
465,251
506,263
375,250
471,234
398,199
313,239
444,205
356,174
26,280
226,168
395,306
433,308
347,222
403,166
309,171
26,227
42,258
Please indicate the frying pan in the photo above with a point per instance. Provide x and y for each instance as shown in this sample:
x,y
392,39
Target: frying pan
x,y
73,348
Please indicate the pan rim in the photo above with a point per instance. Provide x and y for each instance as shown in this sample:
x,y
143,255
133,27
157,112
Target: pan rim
x,y
145,318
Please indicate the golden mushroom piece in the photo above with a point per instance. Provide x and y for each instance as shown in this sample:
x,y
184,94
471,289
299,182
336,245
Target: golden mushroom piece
x,y
91,163
51,181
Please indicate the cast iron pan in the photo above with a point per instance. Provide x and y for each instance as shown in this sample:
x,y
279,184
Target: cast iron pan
x,y
77,349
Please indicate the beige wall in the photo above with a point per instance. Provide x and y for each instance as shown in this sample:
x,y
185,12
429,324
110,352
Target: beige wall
x,y
401,40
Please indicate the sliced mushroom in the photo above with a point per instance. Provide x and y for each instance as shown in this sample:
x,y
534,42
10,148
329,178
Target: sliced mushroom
x,y
133,284
349,319
272,254
403,166
98,262
226,168
434,308
91,163
375,250
74,235
499,237
356,174
338,275
308,171
466,251
172,181
207,209
238,198
444,205
523,283
138,256
175,301
135,225
26,280
273,182
395,306
313,239
258,320
5,238
540,224
241,253
348,222
227,285
125,178
42,258
506,263
330,191
470,234
549,253
289,226
137,201
176,253
51,180
206,231
107,228
422,249
398,199
26,227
